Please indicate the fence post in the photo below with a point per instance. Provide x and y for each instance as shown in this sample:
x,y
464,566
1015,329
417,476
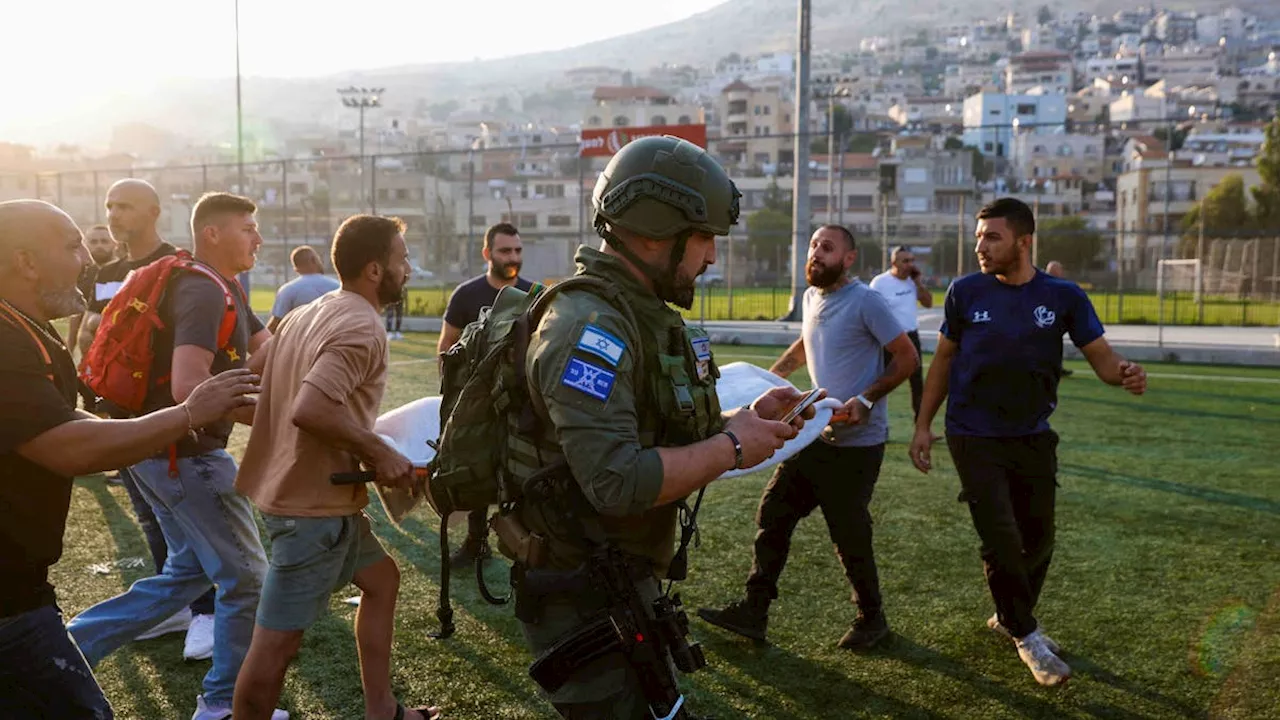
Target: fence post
x,y
284,203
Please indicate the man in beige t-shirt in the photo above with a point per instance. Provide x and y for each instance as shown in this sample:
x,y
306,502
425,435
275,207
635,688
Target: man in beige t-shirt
x,y
323,380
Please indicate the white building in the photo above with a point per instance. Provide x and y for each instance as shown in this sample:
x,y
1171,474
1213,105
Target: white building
x,y
990,119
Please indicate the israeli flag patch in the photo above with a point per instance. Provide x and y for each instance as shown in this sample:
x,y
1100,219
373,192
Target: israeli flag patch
x,y
601,344
702,348
587,378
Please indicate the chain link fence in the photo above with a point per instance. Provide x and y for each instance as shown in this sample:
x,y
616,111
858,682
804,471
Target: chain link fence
x,y
449,198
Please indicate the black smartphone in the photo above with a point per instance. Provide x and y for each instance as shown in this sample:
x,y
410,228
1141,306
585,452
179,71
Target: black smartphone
x,y
801,405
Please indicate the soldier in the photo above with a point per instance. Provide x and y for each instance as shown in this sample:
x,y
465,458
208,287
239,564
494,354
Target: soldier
x,y
630,425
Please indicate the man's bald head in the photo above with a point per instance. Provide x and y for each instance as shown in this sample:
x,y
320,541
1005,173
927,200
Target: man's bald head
x,y
41,256
25,224
1054,268
133,208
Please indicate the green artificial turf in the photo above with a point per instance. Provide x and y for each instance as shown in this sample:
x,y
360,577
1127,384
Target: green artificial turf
x,y
1164,591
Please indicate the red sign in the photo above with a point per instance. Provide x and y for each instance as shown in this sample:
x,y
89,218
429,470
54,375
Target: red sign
x,y
604,142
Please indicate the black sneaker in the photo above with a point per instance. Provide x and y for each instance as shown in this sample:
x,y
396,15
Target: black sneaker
x,y
743,617
865,633
465,556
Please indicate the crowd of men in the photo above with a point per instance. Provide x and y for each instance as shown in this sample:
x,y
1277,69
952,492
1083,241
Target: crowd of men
x,y
630,421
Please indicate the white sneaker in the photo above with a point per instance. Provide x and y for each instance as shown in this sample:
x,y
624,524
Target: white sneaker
x,y
993,622
180,621
205,712
1048,668
199,644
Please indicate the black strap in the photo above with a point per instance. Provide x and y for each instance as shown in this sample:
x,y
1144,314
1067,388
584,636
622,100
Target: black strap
x,y
444,612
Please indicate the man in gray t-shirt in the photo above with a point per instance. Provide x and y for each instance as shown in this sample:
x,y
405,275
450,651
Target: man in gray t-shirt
x,y
310,284
848,327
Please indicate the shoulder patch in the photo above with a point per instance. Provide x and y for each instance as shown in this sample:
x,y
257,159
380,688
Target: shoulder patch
x,y
588,378
602,344
702,348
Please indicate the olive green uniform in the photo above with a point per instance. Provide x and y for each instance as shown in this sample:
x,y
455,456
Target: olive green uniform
x,y
609,434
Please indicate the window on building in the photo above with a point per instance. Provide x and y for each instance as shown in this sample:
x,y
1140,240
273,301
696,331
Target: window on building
x,y
915,204
621,121
684,120
1026,109
860,202
559,221
915,175
766,109
658,120
594,121
478,221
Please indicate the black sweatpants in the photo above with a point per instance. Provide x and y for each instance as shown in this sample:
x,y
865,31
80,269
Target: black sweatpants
x,y
1010,485
917,376
839,480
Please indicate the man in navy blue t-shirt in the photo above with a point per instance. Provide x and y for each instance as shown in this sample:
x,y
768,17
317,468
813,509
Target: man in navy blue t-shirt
x,y
998,355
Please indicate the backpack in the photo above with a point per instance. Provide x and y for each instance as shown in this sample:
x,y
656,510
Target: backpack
x,y
482,386
119,364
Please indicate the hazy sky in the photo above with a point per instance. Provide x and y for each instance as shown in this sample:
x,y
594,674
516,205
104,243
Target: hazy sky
x,y
48,43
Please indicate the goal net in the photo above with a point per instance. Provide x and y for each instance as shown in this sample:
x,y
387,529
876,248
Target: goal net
x,y
1180,291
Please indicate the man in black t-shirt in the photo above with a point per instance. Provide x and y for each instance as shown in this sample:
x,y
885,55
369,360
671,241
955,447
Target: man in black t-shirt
x,y
503,252
213,536
102,250
42,673
133,212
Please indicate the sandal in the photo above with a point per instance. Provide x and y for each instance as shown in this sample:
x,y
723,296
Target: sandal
x,y
424,710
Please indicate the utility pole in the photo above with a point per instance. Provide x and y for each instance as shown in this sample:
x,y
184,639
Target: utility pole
x,y
800,179
830,97
239,115
361,98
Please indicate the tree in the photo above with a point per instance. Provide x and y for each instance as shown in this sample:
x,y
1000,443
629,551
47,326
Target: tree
x,y
1225,212
1266,197
1045,15
769,229
842,122
953,143
1069,240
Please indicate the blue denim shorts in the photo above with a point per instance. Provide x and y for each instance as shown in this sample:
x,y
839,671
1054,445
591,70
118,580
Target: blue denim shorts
x,y
312,558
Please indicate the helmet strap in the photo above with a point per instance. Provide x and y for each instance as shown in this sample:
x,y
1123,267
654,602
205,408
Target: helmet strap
x,y
663,282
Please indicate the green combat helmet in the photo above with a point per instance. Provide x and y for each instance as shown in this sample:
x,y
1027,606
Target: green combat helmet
x,y
663,188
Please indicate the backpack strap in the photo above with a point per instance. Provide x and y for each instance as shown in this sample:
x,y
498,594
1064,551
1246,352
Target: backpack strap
x,y
228,325
17,320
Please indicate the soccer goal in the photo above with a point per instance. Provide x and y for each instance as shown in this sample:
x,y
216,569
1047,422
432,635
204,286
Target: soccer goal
x,y
1180,291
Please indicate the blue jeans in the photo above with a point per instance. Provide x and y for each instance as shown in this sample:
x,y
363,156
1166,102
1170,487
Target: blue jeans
x,y
155,537
212,539
43,674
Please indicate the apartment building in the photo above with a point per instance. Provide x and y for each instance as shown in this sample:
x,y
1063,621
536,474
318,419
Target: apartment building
x,y
755,121
1151,200
1052,71
965,80
1040,157
636,106
991,119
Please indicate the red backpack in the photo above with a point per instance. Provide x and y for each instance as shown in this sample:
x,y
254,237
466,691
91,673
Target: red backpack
x,y
118,365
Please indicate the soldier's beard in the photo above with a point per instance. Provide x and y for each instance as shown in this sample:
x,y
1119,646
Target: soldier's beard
x,y
62,303
684,288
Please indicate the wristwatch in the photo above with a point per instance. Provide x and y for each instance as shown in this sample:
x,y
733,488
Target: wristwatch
x,y
865,402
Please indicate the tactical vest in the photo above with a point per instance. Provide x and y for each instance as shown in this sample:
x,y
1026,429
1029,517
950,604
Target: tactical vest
x,y
675,376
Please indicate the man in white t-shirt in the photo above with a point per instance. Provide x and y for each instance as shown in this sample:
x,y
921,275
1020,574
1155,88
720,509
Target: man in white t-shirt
x,y
901,286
